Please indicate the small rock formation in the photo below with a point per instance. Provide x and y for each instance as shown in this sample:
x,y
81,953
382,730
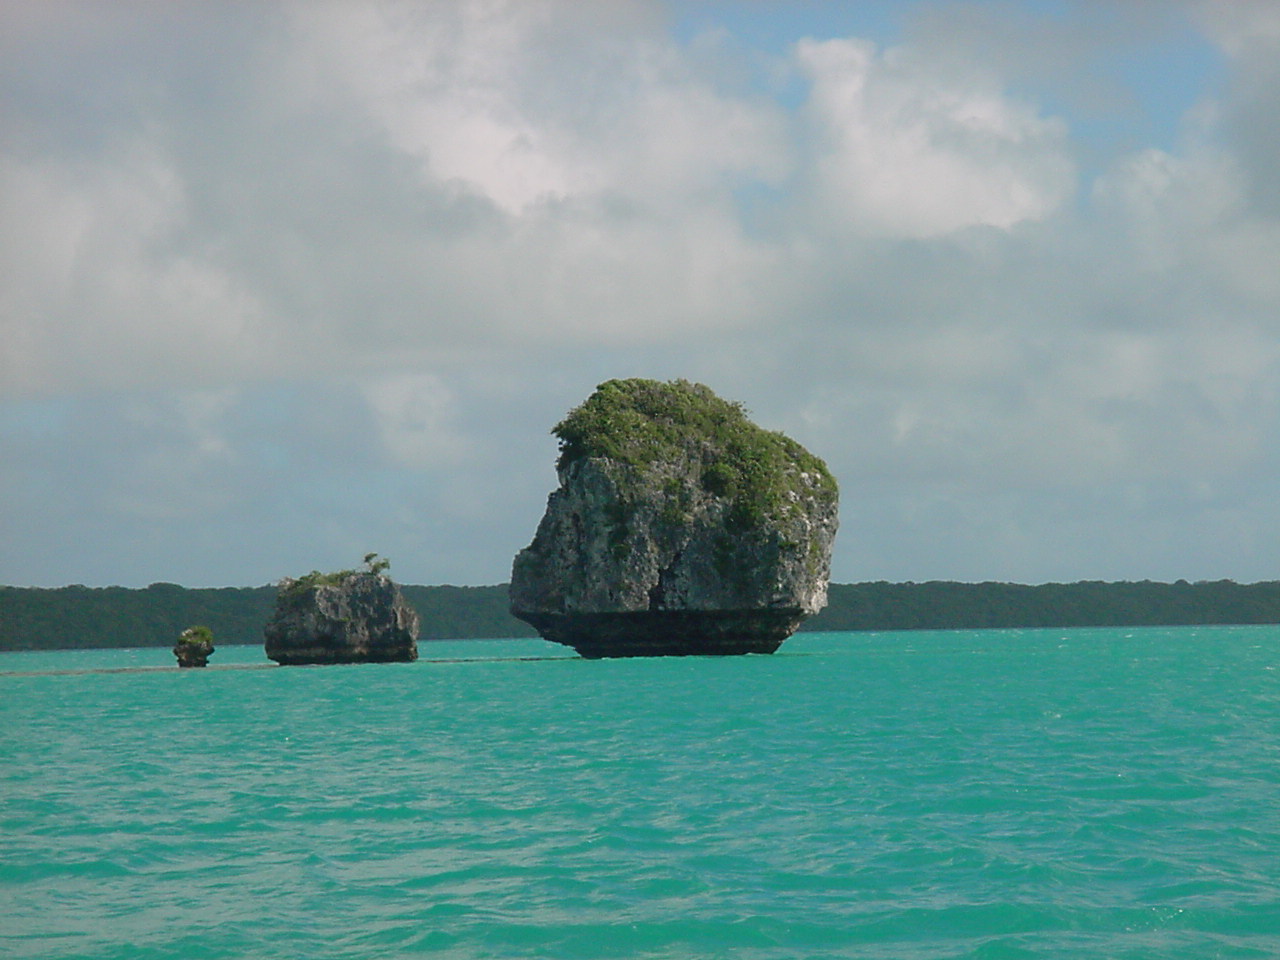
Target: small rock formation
x,y
195,644
344,617
679,527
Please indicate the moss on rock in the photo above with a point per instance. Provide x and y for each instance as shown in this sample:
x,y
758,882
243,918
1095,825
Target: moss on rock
x,y
641,422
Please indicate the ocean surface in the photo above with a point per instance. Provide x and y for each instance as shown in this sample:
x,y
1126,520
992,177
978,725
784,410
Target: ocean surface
x,y
899,796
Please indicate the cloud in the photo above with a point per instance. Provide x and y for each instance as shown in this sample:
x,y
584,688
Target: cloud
x,y
413,414
906,153
1246,31
292,282
523,104
92,288
1249,33
596,169
400,183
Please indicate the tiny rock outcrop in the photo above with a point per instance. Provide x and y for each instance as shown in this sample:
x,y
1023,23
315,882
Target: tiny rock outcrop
x,y
345,617
679,527
194,647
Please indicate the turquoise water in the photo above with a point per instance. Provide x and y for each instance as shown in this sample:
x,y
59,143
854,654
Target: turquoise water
x,y
1002,794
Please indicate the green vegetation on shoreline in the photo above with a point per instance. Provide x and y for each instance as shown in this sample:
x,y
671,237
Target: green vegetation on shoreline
x,y
34,618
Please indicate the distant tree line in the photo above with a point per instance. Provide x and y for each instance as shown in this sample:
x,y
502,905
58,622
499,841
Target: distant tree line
x,y
78,616
33,618
946,605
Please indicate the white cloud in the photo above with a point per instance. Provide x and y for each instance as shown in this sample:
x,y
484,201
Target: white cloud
x,y
406,237
1249,35
440,81
906,153
1244,28
1189,218
95,292
521,104
1167,203
413,414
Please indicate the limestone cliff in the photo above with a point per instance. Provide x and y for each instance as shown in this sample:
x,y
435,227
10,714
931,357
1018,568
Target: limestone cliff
x,y
348,617
679,527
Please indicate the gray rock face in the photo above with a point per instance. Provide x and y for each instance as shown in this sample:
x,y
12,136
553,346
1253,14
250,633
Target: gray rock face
x,y
362,618
677,547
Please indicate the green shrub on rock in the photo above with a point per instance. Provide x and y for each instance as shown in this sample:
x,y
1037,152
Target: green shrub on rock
x,y
641,422
194,646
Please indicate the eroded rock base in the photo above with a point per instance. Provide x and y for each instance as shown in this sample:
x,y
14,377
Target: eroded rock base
x,y
668,633
303,656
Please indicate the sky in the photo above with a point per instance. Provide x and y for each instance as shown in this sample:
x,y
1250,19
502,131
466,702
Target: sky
x,y
282,283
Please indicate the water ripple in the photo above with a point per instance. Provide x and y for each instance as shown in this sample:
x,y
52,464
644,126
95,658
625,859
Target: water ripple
x,y
898,797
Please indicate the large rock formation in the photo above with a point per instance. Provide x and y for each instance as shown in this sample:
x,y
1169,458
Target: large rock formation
x,y
679,527
194,647
347,617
